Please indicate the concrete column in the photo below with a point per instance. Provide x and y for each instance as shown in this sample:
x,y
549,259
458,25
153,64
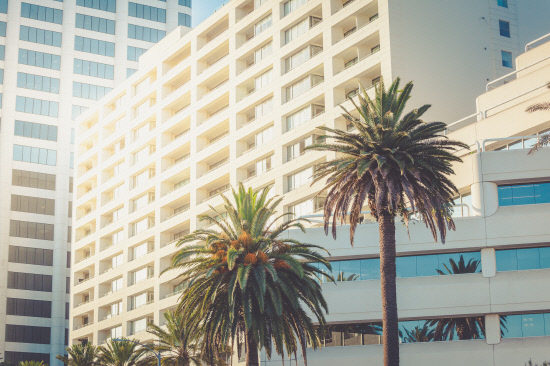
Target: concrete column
x,y
492,328
121,45
488,262
171,15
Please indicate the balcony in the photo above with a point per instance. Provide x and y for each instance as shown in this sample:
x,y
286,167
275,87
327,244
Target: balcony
x,y
213,32
213,83
303,85
350,25
176,157
261,24
216,192
218,164
215,57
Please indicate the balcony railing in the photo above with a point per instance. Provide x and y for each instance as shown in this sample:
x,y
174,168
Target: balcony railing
x,y
313,86
173,294
182,210
84,280
216,139
372,19
84,258
178,113
215,88
215,195
178,161
349,98
344,6
359,60
85,302
215,62
214,115
179,87
215,166
178,136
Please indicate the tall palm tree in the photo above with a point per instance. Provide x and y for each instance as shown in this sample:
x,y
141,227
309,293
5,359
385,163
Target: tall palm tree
x,y
121,353
176,341
397,164
544,139
248,284
80,355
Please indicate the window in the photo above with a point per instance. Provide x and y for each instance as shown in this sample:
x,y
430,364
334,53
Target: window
x,y
302,86
27,255
503,3
36,106
300,178
292,5
351,62
31,230
264,136
89,91
3,26
40,59
40,36
525,325
25,178
42,13
524,194
263,108
523,259
134,53
77,111
408,266
130,72
185,3
146,12
35,155
263,52
94,46
184,19
145,34
96,69
37,205
116,332
263,80
139,325
262,25
302,56
140,250
29,281
27,307
106,5
463,205
504,28
142,274
306,207
2,52
95,24
15,357
37,82
507,59
297,149
140,300
27,334
4,10
1,76
303,115
301,28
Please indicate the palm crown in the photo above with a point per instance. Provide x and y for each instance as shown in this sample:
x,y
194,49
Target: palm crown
x,y
123,352
248,283
80,355
392,161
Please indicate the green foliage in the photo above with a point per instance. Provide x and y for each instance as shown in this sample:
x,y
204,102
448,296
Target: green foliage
x,y
177,343
80,355
530,363
246,281
424,334
395,162
460,268
32,363
121,353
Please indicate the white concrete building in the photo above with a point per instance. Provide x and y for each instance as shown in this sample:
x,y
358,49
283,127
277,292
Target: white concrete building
x,y
56,59
239,97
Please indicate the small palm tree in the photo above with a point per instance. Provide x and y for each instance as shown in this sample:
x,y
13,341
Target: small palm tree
x,y
544,139
460,268
530,363
465,328
397,164
80,355
417,334
32,363
249,284
176,341
121,353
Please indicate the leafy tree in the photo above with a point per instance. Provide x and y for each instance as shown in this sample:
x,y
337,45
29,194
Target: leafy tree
x,y
80,355
176,341
248,284
417,334
398,165
121,353
544,139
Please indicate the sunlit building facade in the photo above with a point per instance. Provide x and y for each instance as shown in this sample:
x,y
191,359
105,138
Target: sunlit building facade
x,y
57,58
239,97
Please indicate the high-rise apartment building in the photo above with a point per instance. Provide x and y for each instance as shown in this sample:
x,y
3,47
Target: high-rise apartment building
x,y
239,97
56,59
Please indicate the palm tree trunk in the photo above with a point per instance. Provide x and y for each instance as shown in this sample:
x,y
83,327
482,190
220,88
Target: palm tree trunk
x,y
462,330
390,337
252,357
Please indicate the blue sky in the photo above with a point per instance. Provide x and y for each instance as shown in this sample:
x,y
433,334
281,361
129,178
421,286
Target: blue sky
x,y
202,9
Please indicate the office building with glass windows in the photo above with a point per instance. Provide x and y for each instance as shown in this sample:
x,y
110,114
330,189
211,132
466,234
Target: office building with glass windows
x,y
57,58
239,97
